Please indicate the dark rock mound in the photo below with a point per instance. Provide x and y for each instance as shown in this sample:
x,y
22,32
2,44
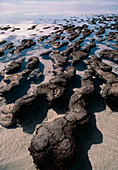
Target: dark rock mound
x,y
111,54
2,42
33,62
54,143
13,67
59,59
110,94
88,47
44,37
25,43
51,92
32,27
1,53
77,56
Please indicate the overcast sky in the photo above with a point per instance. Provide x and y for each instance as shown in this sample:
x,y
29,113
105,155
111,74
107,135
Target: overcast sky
x,y
68,7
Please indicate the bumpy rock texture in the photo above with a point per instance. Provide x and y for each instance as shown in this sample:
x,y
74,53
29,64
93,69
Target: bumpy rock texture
x,y
54,145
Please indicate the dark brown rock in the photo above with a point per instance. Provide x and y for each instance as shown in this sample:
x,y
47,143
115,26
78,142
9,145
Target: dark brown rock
x,y
25,43
110,94
33,62
13,67
2,42
59,59
111,54
44,37
54,143
77,56
1,53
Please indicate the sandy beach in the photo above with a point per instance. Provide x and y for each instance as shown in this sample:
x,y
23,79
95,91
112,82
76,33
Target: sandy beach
x,y
98,146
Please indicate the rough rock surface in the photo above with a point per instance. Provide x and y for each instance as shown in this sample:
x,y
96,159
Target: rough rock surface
x,y
54,145
33,62
59,59
51,92
25,43
13,67
77,56
110,94
111,54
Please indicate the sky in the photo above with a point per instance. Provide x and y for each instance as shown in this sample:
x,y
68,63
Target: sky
x,y
58,7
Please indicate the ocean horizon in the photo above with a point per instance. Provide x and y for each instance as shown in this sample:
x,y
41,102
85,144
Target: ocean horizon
x,y
12,11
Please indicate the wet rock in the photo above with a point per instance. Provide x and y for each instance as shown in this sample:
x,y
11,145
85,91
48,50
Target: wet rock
x,y
87,32
35,75
13,67
32,27
54,52
9,87
111,36
73,36
77,56
54,143
25,43
51,148
102,39
59,59
111,54
5,28
71,48
1,53
44,37
46,27
51,91
33,62
2,42
15,29
115,45
101,31
11,81
7,46
56,28
92,39
55,37
110,95
104,70
57,44
58,70
88,47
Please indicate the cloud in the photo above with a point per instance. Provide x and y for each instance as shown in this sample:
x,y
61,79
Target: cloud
x,y
30,2
73,2
68,7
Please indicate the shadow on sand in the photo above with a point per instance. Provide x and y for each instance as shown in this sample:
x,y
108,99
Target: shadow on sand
x,y
88,137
